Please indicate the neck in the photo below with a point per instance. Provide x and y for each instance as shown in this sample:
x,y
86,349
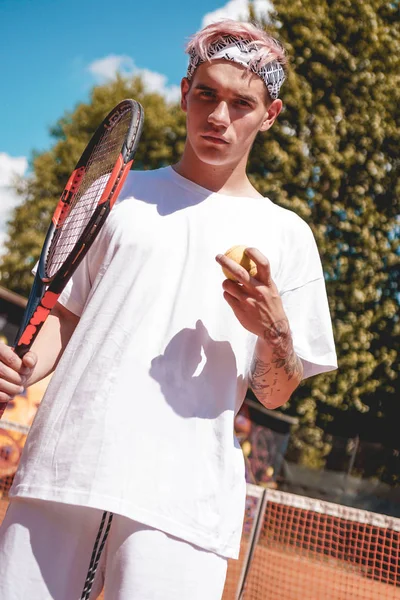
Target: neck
x,y
226,179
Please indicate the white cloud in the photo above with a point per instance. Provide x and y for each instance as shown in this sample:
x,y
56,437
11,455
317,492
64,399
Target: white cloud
x,y
107,68
10,168
156,82
239,10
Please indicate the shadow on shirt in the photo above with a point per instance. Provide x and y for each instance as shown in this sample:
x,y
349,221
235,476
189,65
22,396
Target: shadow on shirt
x,y
197,375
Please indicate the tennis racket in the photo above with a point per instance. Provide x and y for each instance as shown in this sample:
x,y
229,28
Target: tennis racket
x,y
84,205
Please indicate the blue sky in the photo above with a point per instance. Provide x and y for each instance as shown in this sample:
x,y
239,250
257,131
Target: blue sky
x,y
53,51
48,46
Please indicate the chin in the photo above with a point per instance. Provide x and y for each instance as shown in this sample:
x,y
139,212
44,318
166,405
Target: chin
x,y
214,162
214,158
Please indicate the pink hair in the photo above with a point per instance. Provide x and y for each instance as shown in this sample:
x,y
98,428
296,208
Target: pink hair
x,y
269,49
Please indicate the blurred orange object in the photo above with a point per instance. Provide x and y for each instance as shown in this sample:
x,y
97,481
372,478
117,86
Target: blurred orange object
x,y
15,424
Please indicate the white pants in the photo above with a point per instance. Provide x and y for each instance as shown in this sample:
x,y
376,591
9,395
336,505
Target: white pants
x,y
45,551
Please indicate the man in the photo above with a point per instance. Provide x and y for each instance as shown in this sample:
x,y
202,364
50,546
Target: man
x,y
152,359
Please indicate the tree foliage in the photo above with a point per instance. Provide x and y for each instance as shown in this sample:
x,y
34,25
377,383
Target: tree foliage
x,y
161,143
333,158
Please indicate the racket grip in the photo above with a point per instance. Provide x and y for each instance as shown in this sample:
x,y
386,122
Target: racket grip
x,y
28,332
20,351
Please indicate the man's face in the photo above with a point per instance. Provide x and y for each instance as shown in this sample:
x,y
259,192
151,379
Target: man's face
x,y
226,106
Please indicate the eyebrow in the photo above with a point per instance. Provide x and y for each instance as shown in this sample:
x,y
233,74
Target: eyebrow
x,y
207,88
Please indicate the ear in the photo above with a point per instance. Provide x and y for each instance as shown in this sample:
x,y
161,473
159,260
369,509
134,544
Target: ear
x,y
272,113
185,87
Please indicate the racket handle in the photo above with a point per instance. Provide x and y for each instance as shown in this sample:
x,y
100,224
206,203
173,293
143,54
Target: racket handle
x,y
27,335
36,294
20,351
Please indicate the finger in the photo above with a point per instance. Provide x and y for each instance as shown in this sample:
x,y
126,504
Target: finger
x,y
9,375
9,358
263,265
9,390
233,302
238,272
4,399
234,289
239,306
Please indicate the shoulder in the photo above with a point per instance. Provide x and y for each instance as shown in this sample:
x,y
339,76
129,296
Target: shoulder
x,y
295,247
139,180
289,224
290,218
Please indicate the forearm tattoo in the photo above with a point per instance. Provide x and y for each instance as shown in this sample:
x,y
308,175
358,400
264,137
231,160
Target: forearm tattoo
x,y
280,339
264,376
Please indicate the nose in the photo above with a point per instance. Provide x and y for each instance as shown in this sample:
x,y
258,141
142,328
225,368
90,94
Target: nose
x,y
220,115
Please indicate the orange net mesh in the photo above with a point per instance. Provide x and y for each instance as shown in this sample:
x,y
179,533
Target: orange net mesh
x,y
313,550
12,441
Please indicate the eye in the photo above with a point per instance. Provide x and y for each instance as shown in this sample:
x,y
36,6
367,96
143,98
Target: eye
x,y
207,94
243,103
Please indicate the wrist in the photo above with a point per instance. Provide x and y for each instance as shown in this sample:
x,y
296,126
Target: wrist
x,y
276,337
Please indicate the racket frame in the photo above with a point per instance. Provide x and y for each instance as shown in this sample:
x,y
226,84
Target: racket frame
x,y
46,290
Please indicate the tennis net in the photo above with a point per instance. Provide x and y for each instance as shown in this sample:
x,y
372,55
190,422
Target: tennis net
x,y
306,549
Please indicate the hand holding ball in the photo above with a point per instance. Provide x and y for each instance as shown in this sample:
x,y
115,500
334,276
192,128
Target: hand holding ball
x,y
237,253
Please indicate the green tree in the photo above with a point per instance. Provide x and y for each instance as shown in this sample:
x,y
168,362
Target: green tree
x,y
161,143
333,157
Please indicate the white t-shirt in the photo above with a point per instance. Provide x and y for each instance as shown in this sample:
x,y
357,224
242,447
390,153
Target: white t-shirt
x,y
138,418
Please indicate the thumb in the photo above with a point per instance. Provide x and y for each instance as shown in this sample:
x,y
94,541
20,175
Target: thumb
x,y
28,362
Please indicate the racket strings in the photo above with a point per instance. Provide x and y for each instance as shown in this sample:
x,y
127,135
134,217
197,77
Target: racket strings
x,y
85,201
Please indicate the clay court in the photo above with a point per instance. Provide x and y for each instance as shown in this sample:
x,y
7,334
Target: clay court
x,y
281,575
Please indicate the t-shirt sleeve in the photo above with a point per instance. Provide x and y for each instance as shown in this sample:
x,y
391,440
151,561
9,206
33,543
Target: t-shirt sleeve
x,y
305,302
307,310
77,291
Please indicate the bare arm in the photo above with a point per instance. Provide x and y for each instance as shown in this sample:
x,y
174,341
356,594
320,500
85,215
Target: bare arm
x,y
276,370
51,341
42,359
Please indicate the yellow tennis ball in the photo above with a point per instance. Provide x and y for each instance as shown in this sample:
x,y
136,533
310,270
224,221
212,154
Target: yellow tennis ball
x,y
237,254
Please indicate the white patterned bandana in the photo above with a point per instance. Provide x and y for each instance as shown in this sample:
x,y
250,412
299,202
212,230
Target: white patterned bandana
x,y
242,52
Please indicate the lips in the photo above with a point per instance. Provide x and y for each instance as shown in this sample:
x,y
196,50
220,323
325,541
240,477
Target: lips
x,y
214,139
